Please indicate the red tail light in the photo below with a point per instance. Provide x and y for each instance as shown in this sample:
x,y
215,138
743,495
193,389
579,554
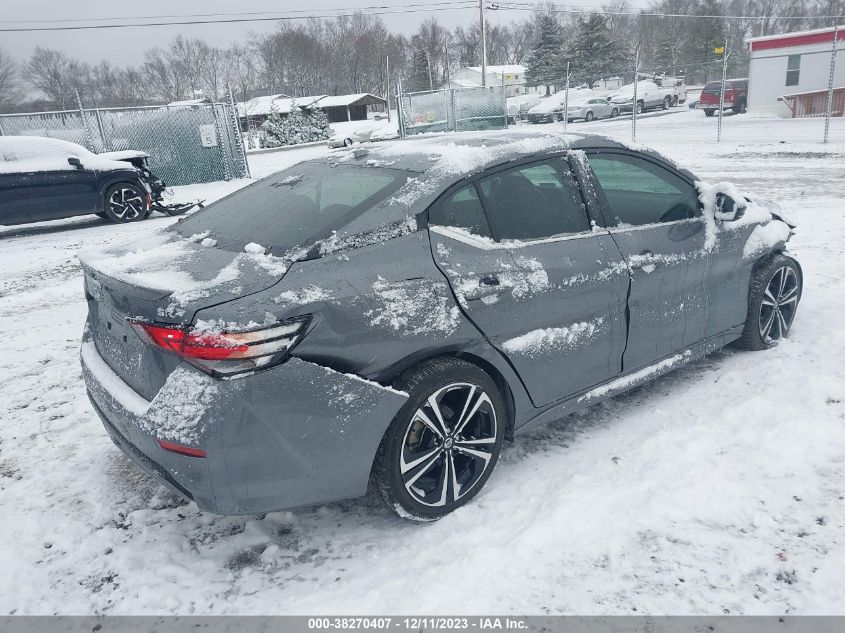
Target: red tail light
x,y
190,451
222,352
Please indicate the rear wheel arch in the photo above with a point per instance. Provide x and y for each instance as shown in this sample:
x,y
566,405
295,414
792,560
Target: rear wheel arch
x,y
410,364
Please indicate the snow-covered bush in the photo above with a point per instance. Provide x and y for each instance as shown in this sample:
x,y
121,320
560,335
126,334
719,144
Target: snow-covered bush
x,y
297,127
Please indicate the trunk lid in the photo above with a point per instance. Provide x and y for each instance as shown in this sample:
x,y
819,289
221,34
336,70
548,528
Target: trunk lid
x,y
163,278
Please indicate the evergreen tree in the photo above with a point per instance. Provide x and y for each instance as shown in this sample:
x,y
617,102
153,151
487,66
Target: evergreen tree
x,y
592,53
297,127
542,64
273,128
418,77
708,34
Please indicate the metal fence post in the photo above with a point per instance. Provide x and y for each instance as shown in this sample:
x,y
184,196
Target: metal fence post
x,y
722,91
566,101
634,102
505,101
830,86
89,140
106,146
239,138
399,109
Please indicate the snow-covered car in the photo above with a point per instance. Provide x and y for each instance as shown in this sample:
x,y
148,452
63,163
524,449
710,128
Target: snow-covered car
x,y
48,179
552,108
389,317
519,105
364,132
589,109
649,96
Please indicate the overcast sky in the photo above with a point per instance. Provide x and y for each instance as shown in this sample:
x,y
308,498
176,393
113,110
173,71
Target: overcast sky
x,y
125,46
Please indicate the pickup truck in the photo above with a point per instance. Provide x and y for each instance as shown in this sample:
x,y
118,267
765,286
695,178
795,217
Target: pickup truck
x,y
650,96
674,87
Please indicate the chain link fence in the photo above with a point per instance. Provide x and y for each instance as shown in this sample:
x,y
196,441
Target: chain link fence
x,y
452,110
186,145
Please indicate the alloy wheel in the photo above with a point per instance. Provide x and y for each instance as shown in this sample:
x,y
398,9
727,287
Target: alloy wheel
x,y
448,445
777,309
126,204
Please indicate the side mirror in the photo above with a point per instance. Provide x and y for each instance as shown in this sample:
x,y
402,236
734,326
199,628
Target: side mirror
x,y
727,209
74,161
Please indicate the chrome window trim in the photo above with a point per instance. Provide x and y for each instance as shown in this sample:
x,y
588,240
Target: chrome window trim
x,y
653,225
489,245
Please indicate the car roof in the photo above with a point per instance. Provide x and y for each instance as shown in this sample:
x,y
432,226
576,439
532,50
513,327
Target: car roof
x,y
464,153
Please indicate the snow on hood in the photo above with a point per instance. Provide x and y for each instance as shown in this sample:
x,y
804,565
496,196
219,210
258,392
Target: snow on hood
x,y
124,155
37,153
175,273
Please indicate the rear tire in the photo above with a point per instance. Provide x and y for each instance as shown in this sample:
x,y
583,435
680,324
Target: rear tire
x,y
674,100
776,286
640,107
445,441
614,113
588,117
667,103
125,202
708,112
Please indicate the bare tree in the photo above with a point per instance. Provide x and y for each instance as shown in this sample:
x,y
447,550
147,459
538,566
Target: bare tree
x,y
10,93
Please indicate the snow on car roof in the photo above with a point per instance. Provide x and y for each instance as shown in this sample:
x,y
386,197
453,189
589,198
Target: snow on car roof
x,y
38,153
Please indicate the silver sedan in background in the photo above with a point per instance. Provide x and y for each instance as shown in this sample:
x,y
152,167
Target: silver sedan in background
x,y
590,109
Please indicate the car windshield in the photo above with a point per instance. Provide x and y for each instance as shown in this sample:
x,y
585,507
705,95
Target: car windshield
x,y
295,207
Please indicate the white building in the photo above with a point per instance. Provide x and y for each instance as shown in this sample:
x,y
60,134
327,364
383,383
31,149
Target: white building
x,y
792,65
511,75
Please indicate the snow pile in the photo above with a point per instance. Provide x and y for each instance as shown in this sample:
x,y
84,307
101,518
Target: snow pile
x,y
543,341
764,237
414,307
179,410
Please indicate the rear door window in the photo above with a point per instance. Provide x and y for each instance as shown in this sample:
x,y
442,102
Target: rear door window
x,y
534,201
463,210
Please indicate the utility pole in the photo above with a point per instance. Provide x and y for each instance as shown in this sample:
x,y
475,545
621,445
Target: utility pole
x,y
722,91
387,84
483,44
830,84
430,80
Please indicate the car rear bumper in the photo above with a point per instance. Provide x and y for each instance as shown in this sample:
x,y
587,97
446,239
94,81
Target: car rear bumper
x,y
295,435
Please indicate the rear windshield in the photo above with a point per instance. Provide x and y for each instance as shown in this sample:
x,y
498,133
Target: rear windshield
x,y
295,207
713,87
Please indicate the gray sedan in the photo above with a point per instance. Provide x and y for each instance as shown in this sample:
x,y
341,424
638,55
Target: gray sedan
x,y
592,109
388,317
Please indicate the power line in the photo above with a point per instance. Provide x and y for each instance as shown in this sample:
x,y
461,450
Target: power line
x,y
522,6
364,9
461,4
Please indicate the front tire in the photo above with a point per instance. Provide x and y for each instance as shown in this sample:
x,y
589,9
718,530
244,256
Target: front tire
x,y
614,113
776,287
125,202
445,441
640,107
667,102
588,117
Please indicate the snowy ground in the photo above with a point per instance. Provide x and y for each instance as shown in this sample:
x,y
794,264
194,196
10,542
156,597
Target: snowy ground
x,y
718,488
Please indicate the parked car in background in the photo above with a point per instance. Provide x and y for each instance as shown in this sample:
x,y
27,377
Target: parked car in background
x,y
48,179
736,96
259,355
591,108
552,108
519,105
649,96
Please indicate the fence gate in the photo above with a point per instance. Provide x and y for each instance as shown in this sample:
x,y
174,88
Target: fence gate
x,y
452,109
186,144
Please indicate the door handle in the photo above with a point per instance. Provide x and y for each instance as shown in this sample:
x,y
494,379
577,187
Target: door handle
x,y
488,286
